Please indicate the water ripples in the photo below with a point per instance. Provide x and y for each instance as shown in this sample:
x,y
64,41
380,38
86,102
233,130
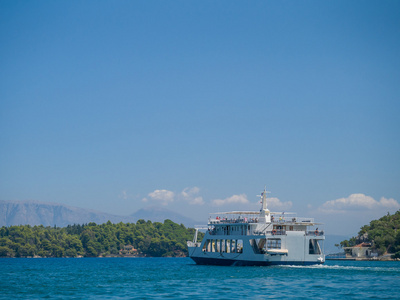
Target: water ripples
x,y
180,278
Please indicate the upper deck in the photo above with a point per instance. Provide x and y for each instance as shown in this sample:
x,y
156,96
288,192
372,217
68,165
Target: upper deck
x,y
252,218
260,222
248,223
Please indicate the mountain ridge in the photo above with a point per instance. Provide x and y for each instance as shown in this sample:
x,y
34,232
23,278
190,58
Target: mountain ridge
x,y
32,212
158,214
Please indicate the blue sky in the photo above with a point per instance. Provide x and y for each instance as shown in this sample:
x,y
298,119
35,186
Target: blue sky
x,y
196,105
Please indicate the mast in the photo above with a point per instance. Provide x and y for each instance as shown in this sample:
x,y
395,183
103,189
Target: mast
x,y
265,216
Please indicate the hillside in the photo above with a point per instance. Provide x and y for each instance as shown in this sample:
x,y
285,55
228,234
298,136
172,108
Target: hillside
x,y
384,234
92,240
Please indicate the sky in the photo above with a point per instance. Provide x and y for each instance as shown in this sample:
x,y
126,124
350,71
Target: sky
x,y
195,106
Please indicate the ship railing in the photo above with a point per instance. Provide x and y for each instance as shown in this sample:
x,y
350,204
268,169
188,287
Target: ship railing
x,y
261,230
241,232
292,220
213,221
233,221
193,244
315,233
304,220
212,232
276,232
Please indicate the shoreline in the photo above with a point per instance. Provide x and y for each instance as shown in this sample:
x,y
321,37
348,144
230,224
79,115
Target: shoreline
x,y
364,259
145,256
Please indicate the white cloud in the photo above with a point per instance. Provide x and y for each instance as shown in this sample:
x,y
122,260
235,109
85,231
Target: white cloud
x,y
275,203
390,203
189,194
190,191
197,201
163,196
123,195
242,199
357,202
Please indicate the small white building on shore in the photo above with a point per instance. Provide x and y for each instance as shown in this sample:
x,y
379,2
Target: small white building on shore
x,y
362,250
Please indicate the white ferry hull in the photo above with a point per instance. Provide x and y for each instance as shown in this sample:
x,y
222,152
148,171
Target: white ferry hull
x,y
295,251
235,262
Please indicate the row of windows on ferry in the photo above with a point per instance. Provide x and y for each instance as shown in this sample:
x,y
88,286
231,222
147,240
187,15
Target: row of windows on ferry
x,y
259,246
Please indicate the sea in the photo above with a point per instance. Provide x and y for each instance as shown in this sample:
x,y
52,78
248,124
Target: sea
x,y
181,278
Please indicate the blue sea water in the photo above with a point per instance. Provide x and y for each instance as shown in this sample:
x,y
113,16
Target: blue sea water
x,y
180,278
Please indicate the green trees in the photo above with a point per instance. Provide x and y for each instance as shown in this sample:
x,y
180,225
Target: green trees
x,y
92,240
349,243
383,233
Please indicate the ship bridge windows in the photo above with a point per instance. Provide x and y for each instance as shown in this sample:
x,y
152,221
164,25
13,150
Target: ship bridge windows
x,y
230,230
280,227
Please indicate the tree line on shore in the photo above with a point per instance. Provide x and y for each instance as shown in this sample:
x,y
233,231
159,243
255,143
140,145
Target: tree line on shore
x,y
92,240
383,234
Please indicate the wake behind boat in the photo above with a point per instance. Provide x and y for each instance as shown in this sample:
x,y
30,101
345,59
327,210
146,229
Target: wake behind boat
x,y
258,239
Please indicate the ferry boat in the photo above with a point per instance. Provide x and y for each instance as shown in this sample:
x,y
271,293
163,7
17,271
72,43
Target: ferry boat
x,y
263,238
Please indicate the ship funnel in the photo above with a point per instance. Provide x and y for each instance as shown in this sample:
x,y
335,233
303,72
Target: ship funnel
x,y
265,215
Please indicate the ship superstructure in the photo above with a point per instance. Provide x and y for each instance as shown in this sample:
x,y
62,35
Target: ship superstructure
x,y
258,238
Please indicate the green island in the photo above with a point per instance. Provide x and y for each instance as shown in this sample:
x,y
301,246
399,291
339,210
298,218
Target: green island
x,y
156,239
381,238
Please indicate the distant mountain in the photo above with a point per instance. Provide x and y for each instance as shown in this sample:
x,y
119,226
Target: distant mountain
x,y
50,214
159,214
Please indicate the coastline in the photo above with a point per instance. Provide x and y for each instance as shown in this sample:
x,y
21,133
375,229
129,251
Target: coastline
x,y
362,258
